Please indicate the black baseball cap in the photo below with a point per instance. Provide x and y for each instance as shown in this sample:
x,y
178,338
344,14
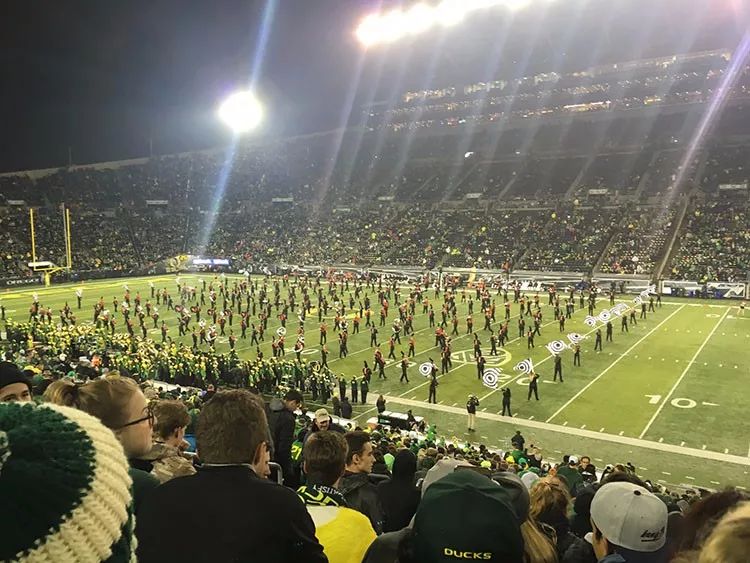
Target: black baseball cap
x,y
487,529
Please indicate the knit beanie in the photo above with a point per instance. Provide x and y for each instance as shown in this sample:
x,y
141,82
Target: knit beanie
x,y
64,486
10,373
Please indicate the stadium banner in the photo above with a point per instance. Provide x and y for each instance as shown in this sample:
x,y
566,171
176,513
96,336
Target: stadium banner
x,y
342,209
157,202
385,198
16,202
473,195
712,290
282,200
598,191
15,282
211,262
732,187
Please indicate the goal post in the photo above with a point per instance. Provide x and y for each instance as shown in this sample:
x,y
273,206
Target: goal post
x,y
47,267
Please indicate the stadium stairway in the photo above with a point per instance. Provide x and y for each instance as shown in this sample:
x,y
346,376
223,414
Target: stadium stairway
x,y
128,220
647,176
577,182
605,251
454,187
672,247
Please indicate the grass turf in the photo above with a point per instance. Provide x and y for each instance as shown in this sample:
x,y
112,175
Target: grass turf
x,y
677,378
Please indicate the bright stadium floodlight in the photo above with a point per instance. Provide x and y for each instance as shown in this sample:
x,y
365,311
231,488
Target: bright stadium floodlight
x,y
380,28
420,17
368,31
450,12
241,112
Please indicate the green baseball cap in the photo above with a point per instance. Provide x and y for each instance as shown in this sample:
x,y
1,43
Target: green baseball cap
x,y
487,530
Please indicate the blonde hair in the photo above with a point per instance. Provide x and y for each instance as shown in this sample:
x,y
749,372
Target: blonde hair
x,y
730,540
538,548
548,495
107,398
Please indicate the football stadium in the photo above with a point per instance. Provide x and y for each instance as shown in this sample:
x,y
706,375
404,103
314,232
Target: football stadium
x,y
382,264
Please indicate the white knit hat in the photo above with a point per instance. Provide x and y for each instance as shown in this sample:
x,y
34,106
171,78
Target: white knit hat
x,y
64,485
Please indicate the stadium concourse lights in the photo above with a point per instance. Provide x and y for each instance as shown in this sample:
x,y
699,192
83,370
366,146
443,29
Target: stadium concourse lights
x,y
387,27
241,112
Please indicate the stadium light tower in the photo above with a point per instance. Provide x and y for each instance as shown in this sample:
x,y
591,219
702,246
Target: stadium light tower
x,y
241,112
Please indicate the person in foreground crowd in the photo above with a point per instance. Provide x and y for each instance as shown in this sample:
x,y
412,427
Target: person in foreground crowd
x,y
728,543
240,515
281,421
120,404
355,485
322,421
629,525
64,485
166,458
464,516
344,533
14,385
550,504
399,497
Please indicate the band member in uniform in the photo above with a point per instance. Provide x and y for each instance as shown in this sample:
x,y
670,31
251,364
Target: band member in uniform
x,y
433,390
404,367
471,409
506,401
533,386
558,369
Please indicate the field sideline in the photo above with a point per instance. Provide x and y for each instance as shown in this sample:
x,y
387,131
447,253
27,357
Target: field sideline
x,y
668,396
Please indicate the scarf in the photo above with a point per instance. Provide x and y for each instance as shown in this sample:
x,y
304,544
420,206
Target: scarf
x,y
320,495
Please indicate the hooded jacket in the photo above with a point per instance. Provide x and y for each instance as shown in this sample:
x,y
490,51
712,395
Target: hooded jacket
x,y
399,497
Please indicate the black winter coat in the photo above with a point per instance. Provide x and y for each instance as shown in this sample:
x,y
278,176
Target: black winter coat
x,y
238,517
281,424
361,495
399,501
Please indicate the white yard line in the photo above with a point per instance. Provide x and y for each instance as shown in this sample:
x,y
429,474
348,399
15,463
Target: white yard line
x,y
610,366
571,431
520,375
682,376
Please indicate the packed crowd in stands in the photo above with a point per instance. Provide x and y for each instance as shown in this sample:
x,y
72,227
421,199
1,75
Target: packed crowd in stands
x,y
640,240
714,244
436,200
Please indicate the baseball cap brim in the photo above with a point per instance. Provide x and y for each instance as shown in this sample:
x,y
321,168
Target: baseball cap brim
x,y
634,556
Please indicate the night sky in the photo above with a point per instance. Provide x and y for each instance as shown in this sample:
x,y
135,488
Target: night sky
x,y
104,76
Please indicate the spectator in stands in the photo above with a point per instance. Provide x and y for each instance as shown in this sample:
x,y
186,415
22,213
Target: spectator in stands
x,y
346,408
550,502
571,475
399,497
166,458
355,485
240,515
322,421
281,420
66,493
14,385
345,534
702,516
464,516
728,543
629,524
586,466
538,538
120,404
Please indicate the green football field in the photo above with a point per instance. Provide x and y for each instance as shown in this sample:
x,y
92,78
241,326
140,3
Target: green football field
x,y
668,396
